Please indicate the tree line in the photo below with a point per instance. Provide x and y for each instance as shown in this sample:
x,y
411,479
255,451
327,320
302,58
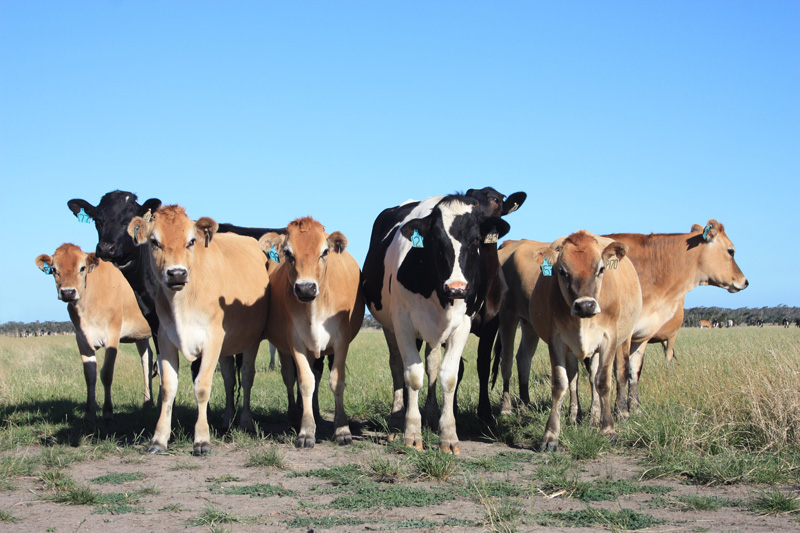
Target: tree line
x,y
36,329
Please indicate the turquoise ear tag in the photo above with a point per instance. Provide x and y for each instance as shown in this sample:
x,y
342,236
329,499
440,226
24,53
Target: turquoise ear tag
x,y
547,268
83,217
273,254
46,269
705,232
416,239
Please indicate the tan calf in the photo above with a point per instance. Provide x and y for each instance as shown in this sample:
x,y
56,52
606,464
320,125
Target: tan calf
x,y
669,266
316,308
103,309
211,301
586,308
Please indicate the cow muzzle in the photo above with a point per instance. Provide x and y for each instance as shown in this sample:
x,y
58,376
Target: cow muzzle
x,y
68,295
736,287
457,290
585,307
176,278
108,251
306,291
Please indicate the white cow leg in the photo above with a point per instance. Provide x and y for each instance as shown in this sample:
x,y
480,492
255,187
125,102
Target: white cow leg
x,y
433,364
635,369
202,393
559,383
169,387
306,438
448,375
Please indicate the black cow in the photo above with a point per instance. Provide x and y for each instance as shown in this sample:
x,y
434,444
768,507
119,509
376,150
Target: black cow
x,y
424,279
111,217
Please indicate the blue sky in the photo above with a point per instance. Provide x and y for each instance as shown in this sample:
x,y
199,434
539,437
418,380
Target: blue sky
x,y
612,116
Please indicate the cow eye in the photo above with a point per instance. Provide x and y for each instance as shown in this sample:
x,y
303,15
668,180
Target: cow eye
x,y
602,269
324,254
54,271
154,243
289,257
191,242
563,273
83,268
731,252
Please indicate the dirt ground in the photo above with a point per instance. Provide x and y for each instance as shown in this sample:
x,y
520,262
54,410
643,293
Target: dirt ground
x,y
181,488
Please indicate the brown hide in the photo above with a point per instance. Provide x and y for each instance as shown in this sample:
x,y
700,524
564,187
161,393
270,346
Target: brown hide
x,y
103,309
212,301
308,324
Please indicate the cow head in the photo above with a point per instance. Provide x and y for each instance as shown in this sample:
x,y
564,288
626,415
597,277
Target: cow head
x,y
451,236
305,249
579,262
173,240
69,267
494,204
111,218
717,265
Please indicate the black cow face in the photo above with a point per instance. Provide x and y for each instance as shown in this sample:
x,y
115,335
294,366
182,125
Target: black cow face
x,y
494,204
111,217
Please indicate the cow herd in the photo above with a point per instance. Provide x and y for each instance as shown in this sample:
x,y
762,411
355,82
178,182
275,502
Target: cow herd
x,y
433,274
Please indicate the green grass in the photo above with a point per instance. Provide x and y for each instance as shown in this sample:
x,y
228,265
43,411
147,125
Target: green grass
x,y
622,520
269,458
774,502
260,490
324,522
116,479
7,517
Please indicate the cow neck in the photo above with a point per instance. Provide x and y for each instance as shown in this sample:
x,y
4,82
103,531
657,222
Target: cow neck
x,y
88,298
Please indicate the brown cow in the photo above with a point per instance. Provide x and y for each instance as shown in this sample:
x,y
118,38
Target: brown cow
x,y
316,309
211,301
706,324
668,333
104,311
669,266
587,308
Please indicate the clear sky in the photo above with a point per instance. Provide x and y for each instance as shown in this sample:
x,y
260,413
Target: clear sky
x,y
612,116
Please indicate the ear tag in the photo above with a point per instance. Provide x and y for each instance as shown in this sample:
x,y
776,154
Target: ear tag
x,y
491,238
416,239
547,268
136,234
273,254
83,217
47,269
705,232
148,216
208,238
612,264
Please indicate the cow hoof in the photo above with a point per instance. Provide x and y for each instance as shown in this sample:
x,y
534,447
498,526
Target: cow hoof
x,y
156,448
416,444
304,441
201,448
344,438
450,448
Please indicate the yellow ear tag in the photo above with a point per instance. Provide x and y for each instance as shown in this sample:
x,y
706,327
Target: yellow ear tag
x,y
612,264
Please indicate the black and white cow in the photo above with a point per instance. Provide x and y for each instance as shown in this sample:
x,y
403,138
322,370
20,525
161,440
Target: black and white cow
x,y
424,279
111,218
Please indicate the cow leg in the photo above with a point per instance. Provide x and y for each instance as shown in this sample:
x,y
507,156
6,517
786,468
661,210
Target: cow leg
x,y
634,371
573,367
396,420
621,366
272,350
559,383
146,355
433,364
317,367
306,438
448,376
169,387
89,361
669,348
507,331
107,377
289,375
413,377
527,348
227,367
202,392
593,365
487,336
248,376
602,382
337,379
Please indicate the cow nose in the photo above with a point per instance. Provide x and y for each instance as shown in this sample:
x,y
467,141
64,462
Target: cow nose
x,y
746,283
177,276
305,291
106,250
68,295
456,289
585,308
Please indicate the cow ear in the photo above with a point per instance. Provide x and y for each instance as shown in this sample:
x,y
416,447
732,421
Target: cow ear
x,y
139,230
150,205
696,228
270,240
711,230
614,250
206,228
557,244
44,262
337,242
76,204
514,202
420,225
545,253
92,261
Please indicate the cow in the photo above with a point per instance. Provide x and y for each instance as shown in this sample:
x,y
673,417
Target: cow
x,y
212,300
705,324
424,280
103,309
586,309
316,309
669,266
668,333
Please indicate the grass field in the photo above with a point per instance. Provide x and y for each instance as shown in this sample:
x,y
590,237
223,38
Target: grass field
x,y
728,415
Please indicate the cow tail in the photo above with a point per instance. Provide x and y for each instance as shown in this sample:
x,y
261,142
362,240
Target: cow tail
x,y
498,348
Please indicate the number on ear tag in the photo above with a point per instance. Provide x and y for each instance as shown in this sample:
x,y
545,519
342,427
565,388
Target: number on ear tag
x,y
416,239
491,238
547,268
148,216
612,264
273,254
83,217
